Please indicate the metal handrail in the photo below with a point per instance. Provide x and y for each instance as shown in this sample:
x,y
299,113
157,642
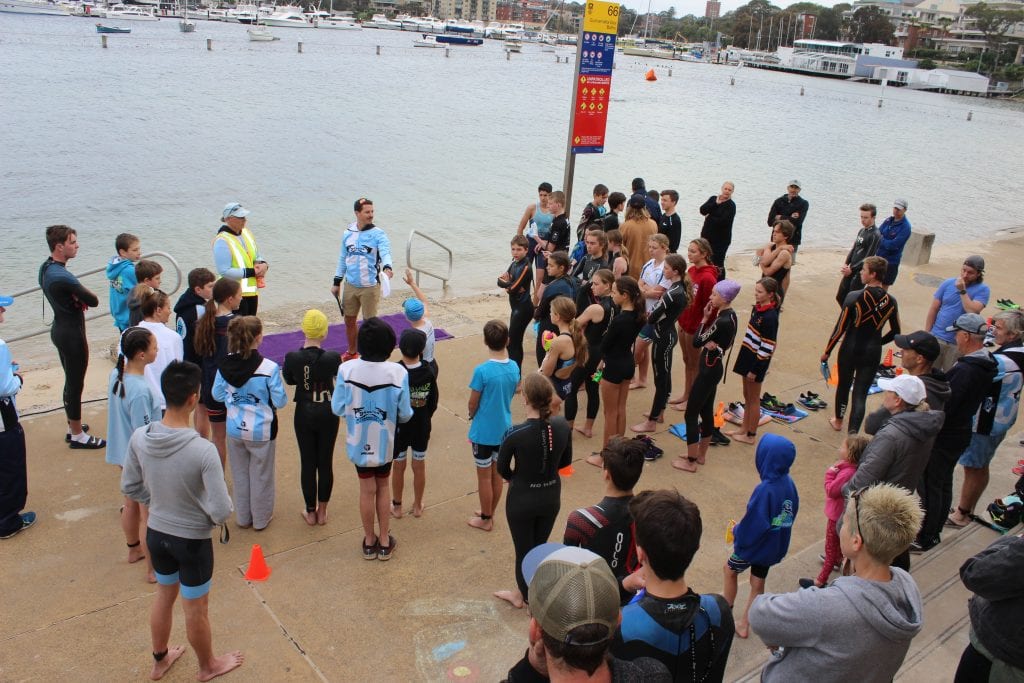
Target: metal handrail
x,y
94,316
408,259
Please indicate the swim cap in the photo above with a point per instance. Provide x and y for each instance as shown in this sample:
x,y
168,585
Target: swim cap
x,y
314,324
728,289
413,309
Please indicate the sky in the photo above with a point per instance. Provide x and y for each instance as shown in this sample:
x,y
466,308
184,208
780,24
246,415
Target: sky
x,y
683,7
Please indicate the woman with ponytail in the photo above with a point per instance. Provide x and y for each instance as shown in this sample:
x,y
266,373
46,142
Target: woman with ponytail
x,y
156,311
529,459
756,354
251,388
211,343
594,321
132,404
568,349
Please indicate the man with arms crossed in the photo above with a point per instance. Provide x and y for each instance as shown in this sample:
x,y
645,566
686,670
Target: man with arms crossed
x,y
177,473
865,245
954,297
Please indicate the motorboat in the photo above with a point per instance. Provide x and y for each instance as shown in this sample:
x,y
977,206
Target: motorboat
x,y
426,40
186,26
338,23
100,28
261,34
217,15
33,7
381,21
289,16
458,40
133,13
243,14
513,45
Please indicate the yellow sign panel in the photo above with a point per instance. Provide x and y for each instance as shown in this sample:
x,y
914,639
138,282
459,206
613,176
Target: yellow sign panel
x,y
601,17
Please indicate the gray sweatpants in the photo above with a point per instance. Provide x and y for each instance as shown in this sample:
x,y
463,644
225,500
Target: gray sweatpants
x,y
252,471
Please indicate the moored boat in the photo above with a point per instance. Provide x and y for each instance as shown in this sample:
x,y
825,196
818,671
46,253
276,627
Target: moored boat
x,y
426,40
261,34
513,45
133,13
100,28
289,16
186,26
33,7
458,40
339,24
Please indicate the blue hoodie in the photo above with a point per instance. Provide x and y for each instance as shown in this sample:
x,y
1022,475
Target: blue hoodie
x,y
762,536
121,276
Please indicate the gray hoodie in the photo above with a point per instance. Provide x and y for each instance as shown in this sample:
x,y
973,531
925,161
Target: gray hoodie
x,y
899,452
177,473
852,630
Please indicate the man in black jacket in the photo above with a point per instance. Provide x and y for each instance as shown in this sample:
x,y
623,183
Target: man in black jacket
x,y
719,211
865,245
793,208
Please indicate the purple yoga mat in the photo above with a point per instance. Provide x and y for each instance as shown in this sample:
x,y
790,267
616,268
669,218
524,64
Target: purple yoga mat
x,y
275,346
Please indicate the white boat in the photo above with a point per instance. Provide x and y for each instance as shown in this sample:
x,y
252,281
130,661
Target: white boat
x,y
186,26
243,14
134,13
381,21
513,45
426,40
32,7
217,15
289,16
260,34
339,24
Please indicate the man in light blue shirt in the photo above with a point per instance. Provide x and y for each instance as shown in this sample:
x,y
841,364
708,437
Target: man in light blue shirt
x,y
953,298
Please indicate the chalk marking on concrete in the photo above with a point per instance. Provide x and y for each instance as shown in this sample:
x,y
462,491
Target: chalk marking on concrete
x,y
284,631
447,650
76,515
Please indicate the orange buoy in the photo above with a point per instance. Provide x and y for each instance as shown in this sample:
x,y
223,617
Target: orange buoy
x,y
650,75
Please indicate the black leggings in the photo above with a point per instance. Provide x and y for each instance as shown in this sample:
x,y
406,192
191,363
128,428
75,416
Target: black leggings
x,y
936,488
13,478
974,667
581,377
700,406
73,350
518,321
531,515
316,431
857,367
661,360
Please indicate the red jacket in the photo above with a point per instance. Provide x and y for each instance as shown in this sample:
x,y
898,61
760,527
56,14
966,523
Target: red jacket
x,y
704,279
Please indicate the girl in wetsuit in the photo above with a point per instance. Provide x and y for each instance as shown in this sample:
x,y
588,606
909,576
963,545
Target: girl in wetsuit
x,y
529,459
661,329
560,283
755,355
618,255
703,276
776,259
516,281
652,285
211,342
714,337
617,363
594,321
568,349
860,327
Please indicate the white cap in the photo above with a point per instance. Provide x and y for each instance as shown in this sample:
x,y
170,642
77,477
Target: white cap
x,y
909,388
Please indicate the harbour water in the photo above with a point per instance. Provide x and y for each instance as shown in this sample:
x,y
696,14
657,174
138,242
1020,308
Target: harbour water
x,y
155,134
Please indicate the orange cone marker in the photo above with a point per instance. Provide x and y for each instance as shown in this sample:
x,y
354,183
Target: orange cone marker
x,y
258,569
567,471
888,359
720,415
833,380
650,75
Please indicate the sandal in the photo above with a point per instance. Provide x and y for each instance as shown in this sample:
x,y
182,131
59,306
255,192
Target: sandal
x,y
92,443
67,435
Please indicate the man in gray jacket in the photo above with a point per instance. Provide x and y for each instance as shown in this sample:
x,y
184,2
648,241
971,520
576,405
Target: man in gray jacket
x,y
920,350
859,627
178,475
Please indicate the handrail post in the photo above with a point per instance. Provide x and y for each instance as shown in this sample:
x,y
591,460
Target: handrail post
x,y
408,259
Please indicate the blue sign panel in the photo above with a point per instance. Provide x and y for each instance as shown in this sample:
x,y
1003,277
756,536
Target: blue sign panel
x,y
598,51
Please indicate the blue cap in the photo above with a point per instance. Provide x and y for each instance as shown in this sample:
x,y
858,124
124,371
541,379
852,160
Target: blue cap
x,y
6,301
413,309
234,209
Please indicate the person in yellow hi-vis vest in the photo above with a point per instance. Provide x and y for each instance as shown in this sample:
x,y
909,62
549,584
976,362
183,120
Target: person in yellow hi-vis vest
x,y
236,256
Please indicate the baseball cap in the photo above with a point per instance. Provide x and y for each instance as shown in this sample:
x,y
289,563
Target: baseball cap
x,y
794,183
976,262
923,342
900,204
413,309
909,388
6,301
972,323
233,209
571,587
314,324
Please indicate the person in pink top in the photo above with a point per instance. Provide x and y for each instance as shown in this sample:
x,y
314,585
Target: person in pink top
x,y
703,276
836,477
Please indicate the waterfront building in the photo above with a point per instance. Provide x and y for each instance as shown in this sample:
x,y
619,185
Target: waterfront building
x,y
713,9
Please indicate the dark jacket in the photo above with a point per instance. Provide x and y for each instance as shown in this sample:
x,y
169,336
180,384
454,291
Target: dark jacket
x,y
936,394
786,207
717,227
653,207
865,245
969,381
993,576
187,312
763,535
899,452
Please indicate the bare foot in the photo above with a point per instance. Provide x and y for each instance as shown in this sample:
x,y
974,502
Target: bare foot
x,y
417,510
309,517
161,667
684,464
396,510
742,628
135,554
702,459
221,665
584,431
733,432
480,523
643,427
150,577
514,598
742,437
595,459
681,407
837,424
321,515
677,400
660,420
638,385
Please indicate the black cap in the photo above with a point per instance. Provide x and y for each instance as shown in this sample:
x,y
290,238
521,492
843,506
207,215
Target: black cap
x,y
922,342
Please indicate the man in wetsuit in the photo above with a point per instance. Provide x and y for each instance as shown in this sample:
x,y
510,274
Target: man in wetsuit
x,y
69,300
865,245
793,208
236,256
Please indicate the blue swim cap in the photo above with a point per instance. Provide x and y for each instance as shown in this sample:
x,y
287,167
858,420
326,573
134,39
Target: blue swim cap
x,y
413,309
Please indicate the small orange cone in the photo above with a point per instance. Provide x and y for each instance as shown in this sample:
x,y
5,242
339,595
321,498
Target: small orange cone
x,y
888,359
567,471
833,379
258,569
720,415
899,371
650,75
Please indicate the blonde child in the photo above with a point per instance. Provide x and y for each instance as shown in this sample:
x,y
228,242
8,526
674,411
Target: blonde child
x,y
250,387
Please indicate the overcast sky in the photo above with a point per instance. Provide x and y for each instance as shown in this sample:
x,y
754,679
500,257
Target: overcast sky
x,y
683,7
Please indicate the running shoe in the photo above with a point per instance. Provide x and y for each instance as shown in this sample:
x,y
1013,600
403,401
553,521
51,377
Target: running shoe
x,y
918,547
27,520
821,556
370,551
886,373
772,403
92,443
384,554
719,439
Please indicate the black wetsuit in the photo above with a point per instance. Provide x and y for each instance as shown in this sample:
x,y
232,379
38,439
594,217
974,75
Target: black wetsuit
x,y
69,300
663,320
617,347
313,370
860,324
606,529
566,285
517,284
700,407
588,265
539,449
216,410
582,375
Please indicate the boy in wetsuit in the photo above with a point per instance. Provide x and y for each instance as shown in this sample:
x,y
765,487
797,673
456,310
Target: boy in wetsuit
x,y
594,211
616,205
415,433
516,281
188,310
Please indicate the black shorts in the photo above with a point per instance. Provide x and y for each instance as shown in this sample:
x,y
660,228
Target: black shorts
x,y
484,455
413,434
378,472
185,560
739,565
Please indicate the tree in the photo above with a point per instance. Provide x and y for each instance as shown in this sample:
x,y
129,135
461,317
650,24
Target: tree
x,y
871,25
830,22
993,23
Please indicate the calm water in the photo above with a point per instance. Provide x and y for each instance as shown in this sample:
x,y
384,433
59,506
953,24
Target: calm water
x,y
155,134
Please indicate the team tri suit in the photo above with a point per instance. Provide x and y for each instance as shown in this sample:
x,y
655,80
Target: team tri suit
x,y
423,397
364,254
662,325
374,398
582,375
617,346
758,342
607,530
700,408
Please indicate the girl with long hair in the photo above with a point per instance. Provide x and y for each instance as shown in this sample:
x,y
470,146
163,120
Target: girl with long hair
x,y
652,285
211,342
703,276
618,255
593,321
756,354
568,348
155,307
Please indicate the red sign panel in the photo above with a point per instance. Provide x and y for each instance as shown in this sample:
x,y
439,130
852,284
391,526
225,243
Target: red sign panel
x,y
590,113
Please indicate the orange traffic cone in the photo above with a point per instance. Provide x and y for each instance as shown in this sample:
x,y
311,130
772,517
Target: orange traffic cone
x,y
888,359
720,415
833,379
567,471
650,75
258,569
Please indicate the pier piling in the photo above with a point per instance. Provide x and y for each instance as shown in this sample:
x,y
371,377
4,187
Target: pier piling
x,y
801,91
103,41
970,114
446,53
378,50
300,47
209,44
732,80
670,73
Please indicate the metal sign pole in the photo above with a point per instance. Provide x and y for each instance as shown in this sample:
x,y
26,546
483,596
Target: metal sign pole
x,y
570,156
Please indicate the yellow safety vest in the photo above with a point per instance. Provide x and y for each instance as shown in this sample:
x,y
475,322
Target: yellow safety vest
x,y
243,255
